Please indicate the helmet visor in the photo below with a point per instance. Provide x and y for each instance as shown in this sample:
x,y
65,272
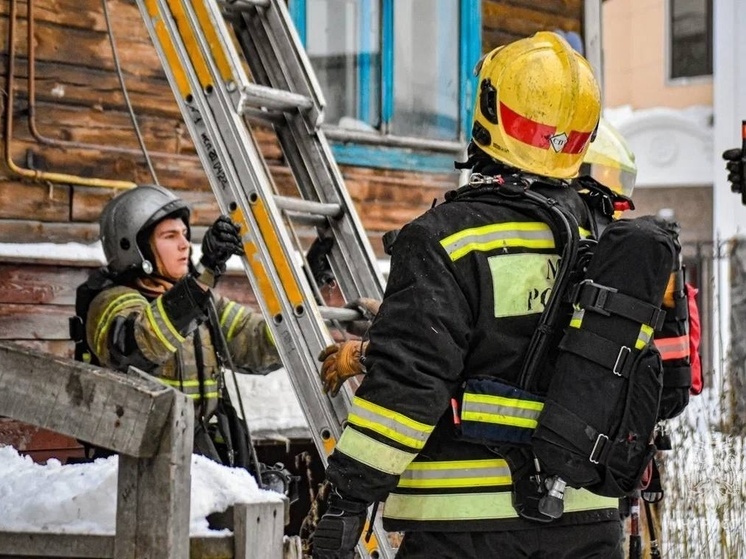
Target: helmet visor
x,y
616,178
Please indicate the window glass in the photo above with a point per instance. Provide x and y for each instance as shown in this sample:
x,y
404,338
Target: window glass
x,y
691,38
344,46
426,69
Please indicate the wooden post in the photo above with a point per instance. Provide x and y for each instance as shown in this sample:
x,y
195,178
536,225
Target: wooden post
x,y
258,530
124,413
154,493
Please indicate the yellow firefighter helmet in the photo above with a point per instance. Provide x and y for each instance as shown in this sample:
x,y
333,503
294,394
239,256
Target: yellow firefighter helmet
x,y
537,106
610,161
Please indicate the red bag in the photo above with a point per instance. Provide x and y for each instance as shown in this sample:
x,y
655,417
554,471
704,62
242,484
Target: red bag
x,y
695,334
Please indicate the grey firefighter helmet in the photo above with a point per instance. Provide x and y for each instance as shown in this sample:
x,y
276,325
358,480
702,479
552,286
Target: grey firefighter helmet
x,y
127,220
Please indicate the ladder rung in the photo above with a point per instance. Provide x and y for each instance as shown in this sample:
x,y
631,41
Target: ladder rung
x,y
307,219
340,313
255,95
244,4
308,206
263,116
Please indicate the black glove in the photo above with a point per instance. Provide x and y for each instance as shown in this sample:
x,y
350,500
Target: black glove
x,y
735,175
221,241
339,529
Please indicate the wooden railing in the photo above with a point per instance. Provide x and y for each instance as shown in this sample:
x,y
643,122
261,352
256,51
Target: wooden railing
x,y
151,427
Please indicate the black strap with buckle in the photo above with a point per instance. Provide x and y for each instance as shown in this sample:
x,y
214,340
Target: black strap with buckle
x,y
607,301
610,355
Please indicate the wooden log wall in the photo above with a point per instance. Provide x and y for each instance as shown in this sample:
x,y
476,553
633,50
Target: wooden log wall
x,y
78,99
504,21
79,125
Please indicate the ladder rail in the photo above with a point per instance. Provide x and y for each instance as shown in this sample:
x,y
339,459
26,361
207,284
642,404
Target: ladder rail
x,y
312,163
207,79
263,277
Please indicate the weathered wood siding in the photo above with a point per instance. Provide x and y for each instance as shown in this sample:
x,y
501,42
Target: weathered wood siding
x,y
79,125
78,99
504,21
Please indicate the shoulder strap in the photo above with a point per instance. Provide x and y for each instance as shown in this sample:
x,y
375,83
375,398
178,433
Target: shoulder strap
x,y
602,202
99,280
517,194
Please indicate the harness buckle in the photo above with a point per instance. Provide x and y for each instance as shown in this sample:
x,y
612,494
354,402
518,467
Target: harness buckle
x,y
593,296
598,448
621,359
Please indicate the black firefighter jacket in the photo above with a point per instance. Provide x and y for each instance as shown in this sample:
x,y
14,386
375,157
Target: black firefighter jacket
x,y
468,283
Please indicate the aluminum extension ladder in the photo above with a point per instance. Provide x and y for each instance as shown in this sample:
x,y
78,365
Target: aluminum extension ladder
x,y
217,100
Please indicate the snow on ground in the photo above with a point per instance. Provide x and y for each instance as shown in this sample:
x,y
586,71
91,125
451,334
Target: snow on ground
x,y
81,498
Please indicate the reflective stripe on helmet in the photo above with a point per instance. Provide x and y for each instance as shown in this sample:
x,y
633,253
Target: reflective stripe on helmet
x,y
540,135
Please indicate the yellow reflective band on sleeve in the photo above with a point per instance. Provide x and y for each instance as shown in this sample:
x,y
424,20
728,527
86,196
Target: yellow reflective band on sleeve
x,y
454,474
536,235
584,233
112,310
269,335
192,387
157,329
390,424
167,321
373,453
226,313
479,506
644,337
230,317
486,408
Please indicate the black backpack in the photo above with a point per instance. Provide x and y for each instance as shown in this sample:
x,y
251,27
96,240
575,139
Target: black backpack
x,y
596,427
97,281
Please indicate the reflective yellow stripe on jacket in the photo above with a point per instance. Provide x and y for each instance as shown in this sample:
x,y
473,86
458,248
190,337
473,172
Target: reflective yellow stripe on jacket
x,y
191,387
162,326
456,473
536,235
487,408
229,319
478,506
115,308
524,234
408,434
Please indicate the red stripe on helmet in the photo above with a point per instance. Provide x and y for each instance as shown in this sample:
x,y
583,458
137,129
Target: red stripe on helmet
x,y
576,141
537,134
524,129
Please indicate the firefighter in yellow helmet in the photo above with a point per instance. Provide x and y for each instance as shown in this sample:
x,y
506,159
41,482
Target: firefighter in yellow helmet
x,y
468,283
610,161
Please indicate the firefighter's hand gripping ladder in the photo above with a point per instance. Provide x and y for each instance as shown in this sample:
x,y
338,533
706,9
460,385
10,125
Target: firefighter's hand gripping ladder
x,y
216,99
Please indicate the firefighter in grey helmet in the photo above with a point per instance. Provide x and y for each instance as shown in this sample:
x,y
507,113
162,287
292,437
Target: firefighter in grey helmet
x,y
156,310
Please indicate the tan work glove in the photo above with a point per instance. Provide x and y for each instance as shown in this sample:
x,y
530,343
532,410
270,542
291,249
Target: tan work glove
x,y
340,362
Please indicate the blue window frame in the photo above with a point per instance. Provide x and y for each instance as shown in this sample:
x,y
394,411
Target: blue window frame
x,y
392,70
